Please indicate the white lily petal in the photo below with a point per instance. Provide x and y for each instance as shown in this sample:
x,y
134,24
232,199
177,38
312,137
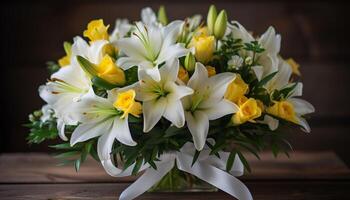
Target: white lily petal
x,y
95,51
302,107
152,112
123,135
305,126
199,76
271,122
177,91
61,130
239,31
198,124
258,71
79,47
298,90
170,52
90,130
153,72
271,41
174,112
170,70
132,47
148,17
220,109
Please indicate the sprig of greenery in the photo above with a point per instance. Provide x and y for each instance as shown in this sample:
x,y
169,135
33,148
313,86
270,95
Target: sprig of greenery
x,y
40,131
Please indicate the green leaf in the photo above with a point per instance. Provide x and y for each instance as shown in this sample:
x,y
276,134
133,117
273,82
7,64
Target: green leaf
x,y
67,47
61,146
230,160
67,154
173,130
244,161
87,66
195,157
266,79
137,166
101,83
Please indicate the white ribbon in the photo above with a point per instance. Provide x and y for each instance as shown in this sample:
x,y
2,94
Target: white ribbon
x,y
208,168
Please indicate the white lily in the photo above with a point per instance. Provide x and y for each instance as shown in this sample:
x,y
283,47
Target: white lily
x,y
162,98
270,41
299,107
149,18
69,84
122,27
106,119
150,46
206,103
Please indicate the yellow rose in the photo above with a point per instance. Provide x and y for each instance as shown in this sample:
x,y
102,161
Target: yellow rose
x,y
211,70
236,89
249,109
284,110
96,30
108,71
204,47
203,31
183,75
110,49
126,103
64,61
294,65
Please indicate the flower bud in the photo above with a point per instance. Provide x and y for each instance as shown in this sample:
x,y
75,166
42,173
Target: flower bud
x,y
183,75
162,18
248,60
108,71
236,89
96,30
190,62
220,25
284,110
211,18
204,48
249,110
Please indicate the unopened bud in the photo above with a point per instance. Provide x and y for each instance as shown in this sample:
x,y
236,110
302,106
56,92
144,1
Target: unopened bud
x,y
190,62
162,18
211,18
220,25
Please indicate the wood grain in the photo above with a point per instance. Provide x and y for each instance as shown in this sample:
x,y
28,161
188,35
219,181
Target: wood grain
x,y
41,168
320,190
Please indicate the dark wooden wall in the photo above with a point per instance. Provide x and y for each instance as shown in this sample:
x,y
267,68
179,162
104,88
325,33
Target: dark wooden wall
x,y
315,33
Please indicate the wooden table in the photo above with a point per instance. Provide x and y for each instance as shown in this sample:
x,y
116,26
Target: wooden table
x,y
306,175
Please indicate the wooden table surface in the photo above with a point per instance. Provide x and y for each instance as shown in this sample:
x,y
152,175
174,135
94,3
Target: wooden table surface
x,y
306,175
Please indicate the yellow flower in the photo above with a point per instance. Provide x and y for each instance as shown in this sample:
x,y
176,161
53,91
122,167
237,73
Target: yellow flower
x,y
211,70
204,47
183,75
126,103
294,65
96,30
284,110
110,49
249,109
236,89
108,71
65,60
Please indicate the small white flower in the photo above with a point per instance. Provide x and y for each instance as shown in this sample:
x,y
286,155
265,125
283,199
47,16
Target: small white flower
x,y
150,46
235,62
206,103
162,98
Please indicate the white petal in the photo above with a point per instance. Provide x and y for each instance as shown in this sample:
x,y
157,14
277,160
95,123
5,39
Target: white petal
x,y
177,91
95,51
153,73
198,124
90,130
127,62
132,47
170,70
199,77
302,107
122,132
152,112
271,41
271,122
224,107
61,129
305,126
148,16
239,31
298,90
258,71
171,52
80,47
171,32
174,112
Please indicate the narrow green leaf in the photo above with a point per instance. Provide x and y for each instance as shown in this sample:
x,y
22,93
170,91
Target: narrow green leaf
x,y
77,165
61,146
244,161
67,154
101,83
195,157
87,66
266,79
173,130
137,166
67,47
230,160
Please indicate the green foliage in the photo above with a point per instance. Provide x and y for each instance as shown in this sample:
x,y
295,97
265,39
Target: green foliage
x,y
253,46
40,131
52,67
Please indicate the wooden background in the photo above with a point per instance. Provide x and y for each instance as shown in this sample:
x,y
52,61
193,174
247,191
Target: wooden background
x,y
315,33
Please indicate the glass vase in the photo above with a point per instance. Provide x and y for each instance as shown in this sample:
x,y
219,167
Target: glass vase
x,y
178,181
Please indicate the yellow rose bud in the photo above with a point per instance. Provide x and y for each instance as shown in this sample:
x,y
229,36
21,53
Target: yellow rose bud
x,y
110,50
64,61
211,18
126,103
294,65
248,111
204,48
108,71
96,30
211,70
236,89
220,25
284,110
183,75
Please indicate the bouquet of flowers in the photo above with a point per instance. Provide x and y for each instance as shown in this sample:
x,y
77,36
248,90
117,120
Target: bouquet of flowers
x,y
178,101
